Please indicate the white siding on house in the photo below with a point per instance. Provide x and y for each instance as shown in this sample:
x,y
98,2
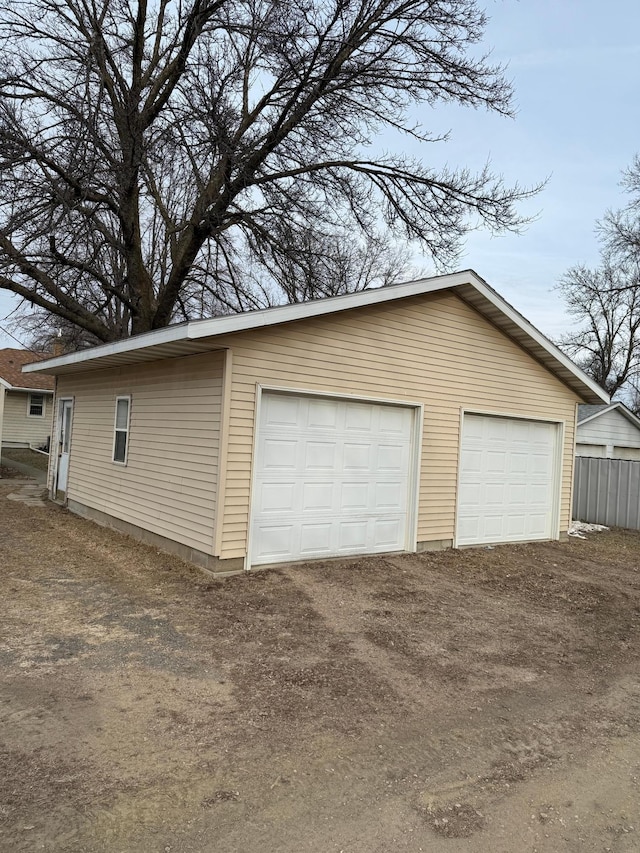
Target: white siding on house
x,y
433,349
169,483
610,429
18,427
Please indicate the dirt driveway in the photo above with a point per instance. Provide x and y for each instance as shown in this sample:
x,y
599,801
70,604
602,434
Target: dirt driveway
x,y
477,701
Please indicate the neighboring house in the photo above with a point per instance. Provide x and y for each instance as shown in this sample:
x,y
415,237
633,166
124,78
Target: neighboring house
x,y
608,432
421,415
26,400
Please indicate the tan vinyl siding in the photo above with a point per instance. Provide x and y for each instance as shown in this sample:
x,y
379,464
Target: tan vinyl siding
x,y
18,426
431,349
169,483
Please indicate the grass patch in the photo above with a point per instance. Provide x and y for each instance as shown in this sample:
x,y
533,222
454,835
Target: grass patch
x,y
26,456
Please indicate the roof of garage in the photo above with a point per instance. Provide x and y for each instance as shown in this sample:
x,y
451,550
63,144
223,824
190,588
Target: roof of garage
x,y
200,335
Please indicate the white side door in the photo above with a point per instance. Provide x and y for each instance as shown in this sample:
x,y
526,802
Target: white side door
x,y
65,414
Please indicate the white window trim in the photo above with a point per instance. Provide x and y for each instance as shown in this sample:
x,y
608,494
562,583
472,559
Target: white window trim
x,y
44,405
116,430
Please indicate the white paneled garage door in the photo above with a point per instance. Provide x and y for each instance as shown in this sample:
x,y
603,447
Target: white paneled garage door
x,y
333,477
508,482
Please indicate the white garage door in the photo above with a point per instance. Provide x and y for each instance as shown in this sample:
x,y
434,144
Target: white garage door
x,y
332,478
507,480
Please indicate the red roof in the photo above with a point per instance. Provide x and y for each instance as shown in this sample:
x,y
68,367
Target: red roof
x,y
11,363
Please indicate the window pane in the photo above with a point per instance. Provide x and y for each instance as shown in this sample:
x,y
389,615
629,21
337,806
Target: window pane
x,y
36,405
66,427
120,450
122,414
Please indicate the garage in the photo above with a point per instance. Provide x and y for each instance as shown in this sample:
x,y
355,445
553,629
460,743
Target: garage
x,y
508,480
333,477
330,428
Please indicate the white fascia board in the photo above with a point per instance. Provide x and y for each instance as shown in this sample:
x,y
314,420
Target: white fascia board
x,y
538,337
148,339
198,329
4,384
319,307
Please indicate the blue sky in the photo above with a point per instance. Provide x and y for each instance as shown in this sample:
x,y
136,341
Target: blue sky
x,y
575,68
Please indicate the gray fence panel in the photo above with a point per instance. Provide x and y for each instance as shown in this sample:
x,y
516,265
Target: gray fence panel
x,y
607,491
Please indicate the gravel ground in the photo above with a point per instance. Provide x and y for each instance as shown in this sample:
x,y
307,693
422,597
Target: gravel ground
x,y
481,700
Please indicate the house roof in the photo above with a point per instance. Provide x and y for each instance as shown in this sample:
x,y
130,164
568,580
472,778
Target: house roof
x,y
200,335
586,411
11,376
590,413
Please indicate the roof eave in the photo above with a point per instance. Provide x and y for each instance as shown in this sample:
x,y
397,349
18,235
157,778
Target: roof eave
x,y
520,330
31,390
148,340
199,335
199,330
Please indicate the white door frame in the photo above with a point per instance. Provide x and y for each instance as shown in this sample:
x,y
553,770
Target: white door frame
x,y
557,462
55,448
411,542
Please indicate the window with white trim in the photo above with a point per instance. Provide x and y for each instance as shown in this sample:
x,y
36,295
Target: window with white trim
x,y
121,432
36,406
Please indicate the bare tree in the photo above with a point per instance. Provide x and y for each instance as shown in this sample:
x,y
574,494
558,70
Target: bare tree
x,y
151,153
605,304
309,264
44,332
620,229
314,265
